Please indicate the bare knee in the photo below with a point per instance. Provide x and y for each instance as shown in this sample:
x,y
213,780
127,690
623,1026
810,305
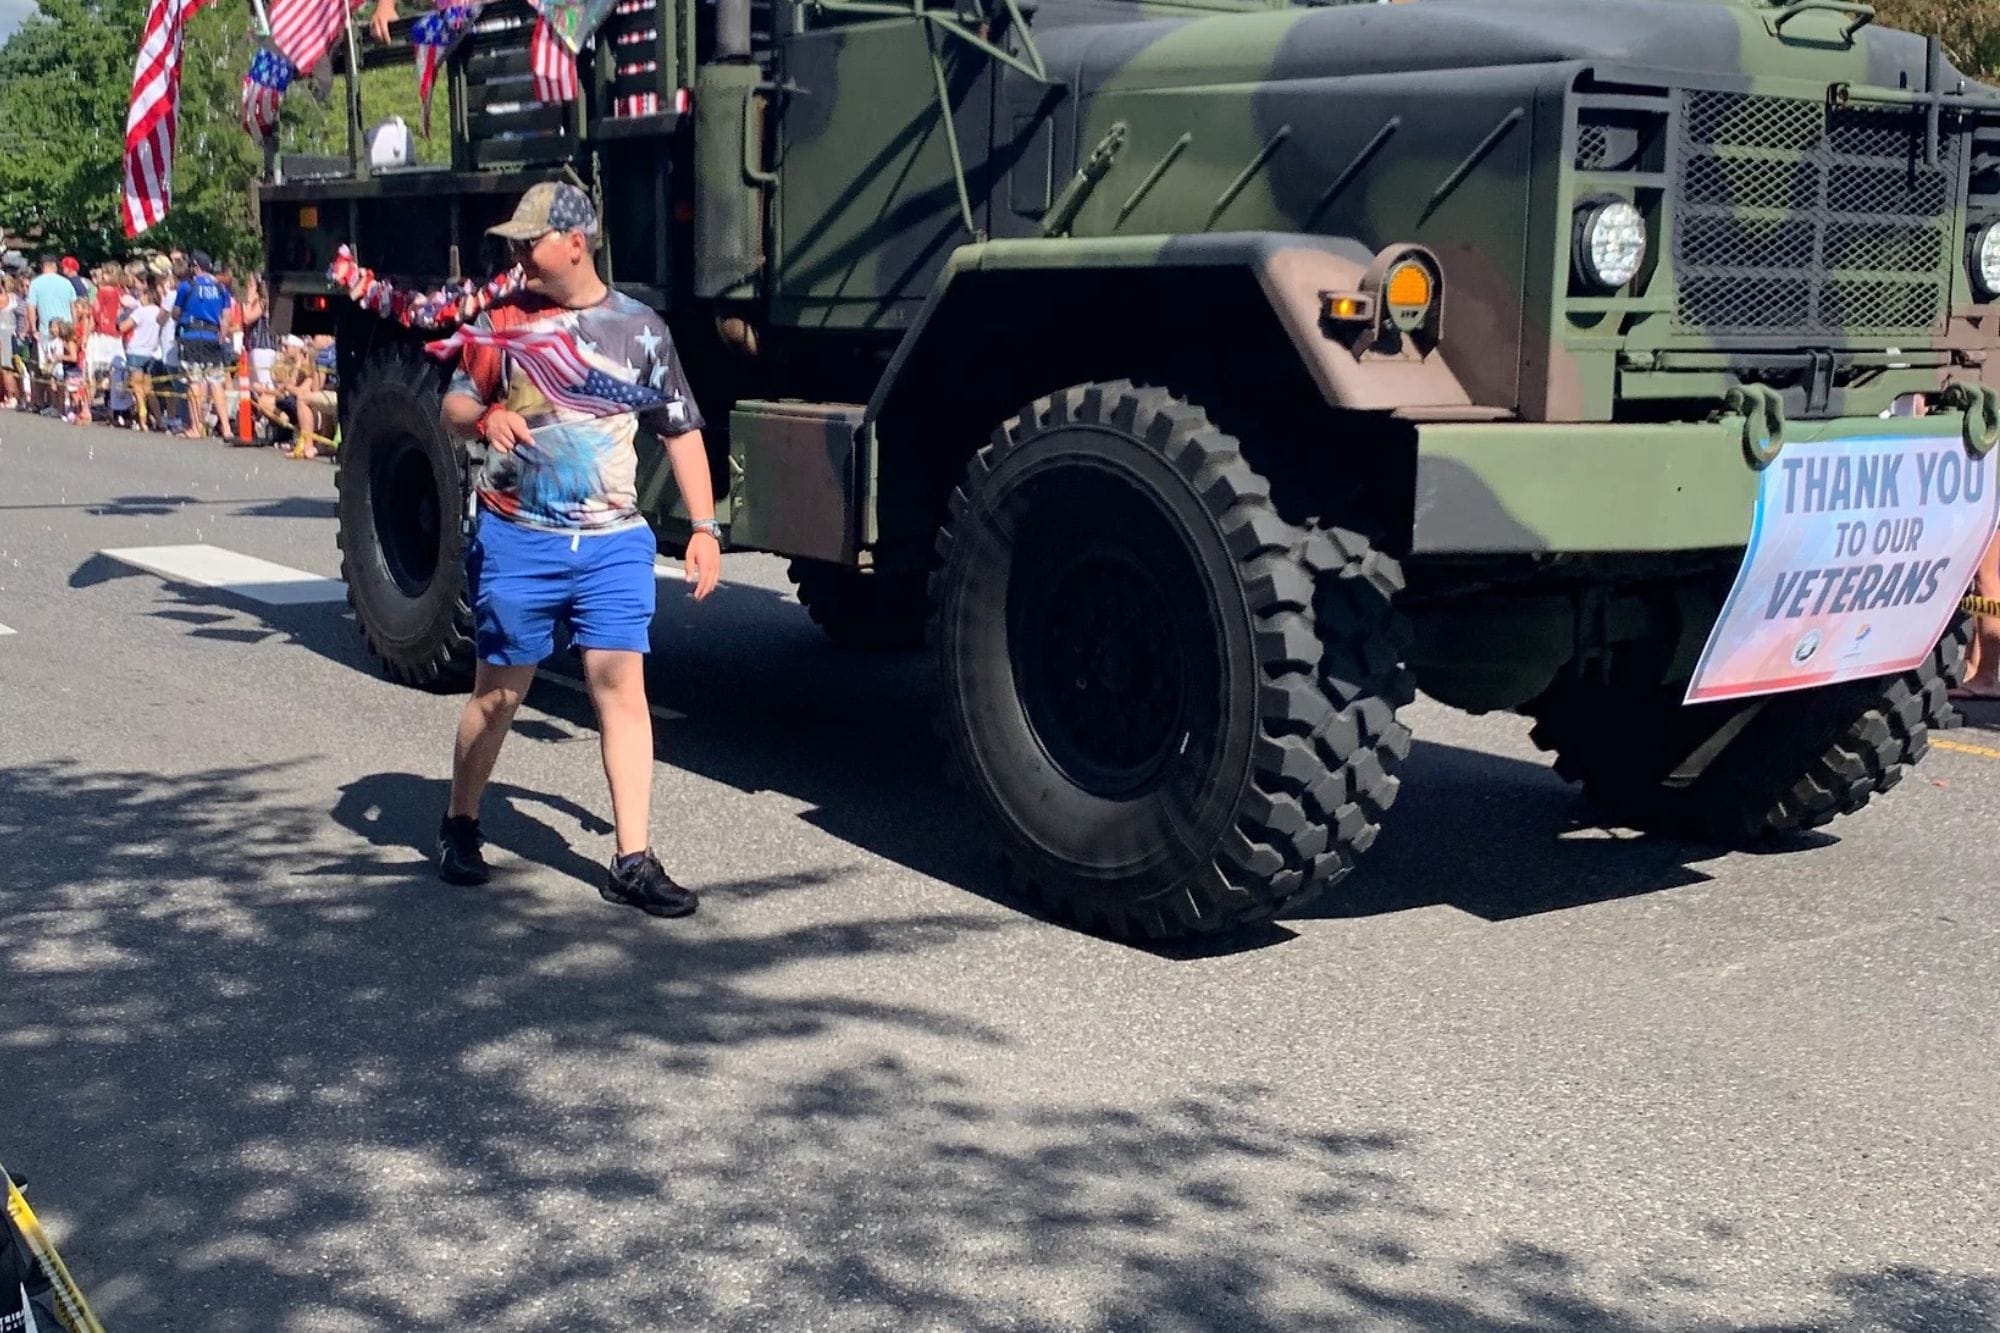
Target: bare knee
x,y
498,691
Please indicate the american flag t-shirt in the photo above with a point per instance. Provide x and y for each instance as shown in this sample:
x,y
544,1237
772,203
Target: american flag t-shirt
x,y
554,65
585,381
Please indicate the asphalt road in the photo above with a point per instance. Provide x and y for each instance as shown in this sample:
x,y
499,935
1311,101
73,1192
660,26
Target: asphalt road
x,y
264,1073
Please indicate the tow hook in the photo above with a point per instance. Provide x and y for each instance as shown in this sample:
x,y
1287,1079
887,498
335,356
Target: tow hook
x,y
1763,411
1981,406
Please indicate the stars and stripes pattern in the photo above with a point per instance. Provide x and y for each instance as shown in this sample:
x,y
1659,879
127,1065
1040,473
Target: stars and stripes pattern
x,y
263,88
434,35
153,120
556,366
302,30
553,64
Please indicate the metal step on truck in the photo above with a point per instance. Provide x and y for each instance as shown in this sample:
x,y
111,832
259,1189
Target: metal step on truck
x,y
1201,378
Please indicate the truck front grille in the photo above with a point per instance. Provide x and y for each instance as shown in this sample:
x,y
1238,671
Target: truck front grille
x,y
1792,216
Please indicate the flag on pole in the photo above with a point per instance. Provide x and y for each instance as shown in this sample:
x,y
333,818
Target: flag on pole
x,y
434,35
153,121
555,365
554,65
302,30
263,88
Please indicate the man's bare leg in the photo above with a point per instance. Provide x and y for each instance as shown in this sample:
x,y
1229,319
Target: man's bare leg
x,y
617,683
197,396
482,728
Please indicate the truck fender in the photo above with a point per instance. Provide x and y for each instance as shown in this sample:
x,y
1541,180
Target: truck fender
x,y
1352,369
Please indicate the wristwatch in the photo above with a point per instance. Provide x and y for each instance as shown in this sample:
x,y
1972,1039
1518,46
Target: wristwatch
x,y
709,526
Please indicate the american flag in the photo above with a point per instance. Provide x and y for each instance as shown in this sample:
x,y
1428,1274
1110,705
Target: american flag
x,y
553,63
263,88
434,35
151,124
303,29
555,365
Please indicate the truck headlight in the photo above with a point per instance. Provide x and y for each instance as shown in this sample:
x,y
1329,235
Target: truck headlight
x,y
1985,259
1610,243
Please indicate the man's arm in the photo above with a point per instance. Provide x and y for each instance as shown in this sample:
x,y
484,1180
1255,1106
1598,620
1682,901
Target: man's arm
x,y
689,455
505,429
461,415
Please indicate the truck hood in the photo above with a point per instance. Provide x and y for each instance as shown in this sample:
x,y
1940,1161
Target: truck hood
x,y
1083,41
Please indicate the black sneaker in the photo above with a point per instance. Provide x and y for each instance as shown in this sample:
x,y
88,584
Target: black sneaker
x,y
638,880
458,858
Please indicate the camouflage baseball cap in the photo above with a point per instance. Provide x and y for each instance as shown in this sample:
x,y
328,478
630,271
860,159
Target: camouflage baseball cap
x,y
550,206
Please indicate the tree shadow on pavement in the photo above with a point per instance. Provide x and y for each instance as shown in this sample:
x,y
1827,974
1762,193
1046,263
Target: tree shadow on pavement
x,y
261,1091
258,1090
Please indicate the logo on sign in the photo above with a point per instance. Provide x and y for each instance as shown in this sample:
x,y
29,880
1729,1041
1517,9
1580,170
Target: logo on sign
x,y
1807,645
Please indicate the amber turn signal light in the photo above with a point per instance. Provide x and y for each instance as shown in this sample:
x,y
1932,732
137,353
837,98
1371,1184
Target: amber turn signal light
x,y
1409,287
1346,307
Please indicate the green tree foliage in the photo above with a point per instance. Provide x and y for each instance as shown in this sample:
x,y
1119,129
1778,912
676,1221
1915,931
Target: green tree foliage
x,y
65,88
1970,29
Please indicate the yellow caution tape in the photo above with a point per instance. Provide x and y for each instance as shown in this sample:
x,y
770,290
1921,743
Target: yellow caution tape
x,y
1980,606
71,1308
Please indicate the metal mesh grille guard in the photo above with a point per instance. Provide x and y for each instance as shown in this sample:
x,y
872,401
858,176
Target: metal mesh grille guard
x,y
1790,216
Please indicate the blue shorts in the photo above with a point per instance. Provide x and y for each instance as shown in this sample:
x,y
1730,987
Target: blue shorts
x,y
522,580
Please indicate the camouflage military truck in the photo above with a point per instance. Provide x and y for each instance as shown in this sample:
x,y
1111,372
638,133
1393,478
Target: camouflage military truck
x,y
1202,378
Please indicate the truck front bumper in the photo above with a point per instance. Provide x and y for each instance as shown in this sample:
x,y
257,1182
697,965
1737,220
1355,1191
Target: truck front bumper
x,y
1506,487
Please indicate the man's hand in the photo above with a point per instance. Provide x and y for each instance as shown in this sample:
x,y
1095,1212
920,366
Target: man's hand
x,y
507,430
704,564
384,15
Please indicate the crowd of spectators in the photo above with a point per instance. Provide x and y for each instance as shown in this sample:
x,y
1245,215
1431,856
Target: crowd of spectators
x,y
165,343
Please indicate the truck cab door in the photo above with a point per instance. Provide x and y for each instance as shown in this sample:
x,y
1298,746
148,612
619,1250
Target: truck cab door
x,y
866,205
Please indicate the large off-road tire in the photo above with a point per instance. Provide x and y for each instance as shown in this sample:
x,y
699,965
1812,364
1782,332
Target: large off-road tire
x,y
1176,710
863,609
1776,765
401,488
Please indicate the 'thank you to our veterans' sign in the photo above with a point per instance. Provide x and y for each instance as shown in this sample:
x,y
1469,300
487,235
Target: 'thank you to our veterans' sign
x,y
1859,553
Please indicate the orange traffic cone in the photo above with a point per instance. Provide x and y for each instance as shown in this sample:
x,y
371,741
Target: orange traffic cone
x,y
244,427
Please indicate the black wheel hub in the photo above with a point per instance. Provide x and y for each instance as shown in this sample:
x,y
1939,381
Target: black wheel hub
x,y
408,517
1104,679
1112,638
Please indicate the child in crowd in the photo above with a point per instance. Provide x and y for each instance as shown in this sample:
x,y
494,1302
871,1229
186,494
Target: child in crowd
x,y
10,298
68,351
307,400
49,367
144,327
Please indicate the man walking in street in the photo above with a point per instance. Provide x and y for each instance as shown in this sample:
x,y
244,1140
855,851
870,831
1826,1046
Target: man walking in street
x,y
556,381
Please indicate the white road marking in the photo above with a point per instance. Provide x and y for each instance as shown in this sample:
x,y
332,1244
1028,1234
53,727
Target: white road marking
x,y
233,572
4,631
669,569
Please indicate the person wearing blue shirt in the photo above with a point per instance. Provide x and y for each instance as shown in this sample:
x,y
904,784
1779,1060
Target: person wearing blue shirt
x,y
201,312
50,298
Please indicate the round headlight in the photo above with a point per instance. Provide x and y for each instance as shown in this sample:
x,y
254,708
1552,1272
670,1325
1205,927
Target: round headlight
x,y
1986,259
1610,243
